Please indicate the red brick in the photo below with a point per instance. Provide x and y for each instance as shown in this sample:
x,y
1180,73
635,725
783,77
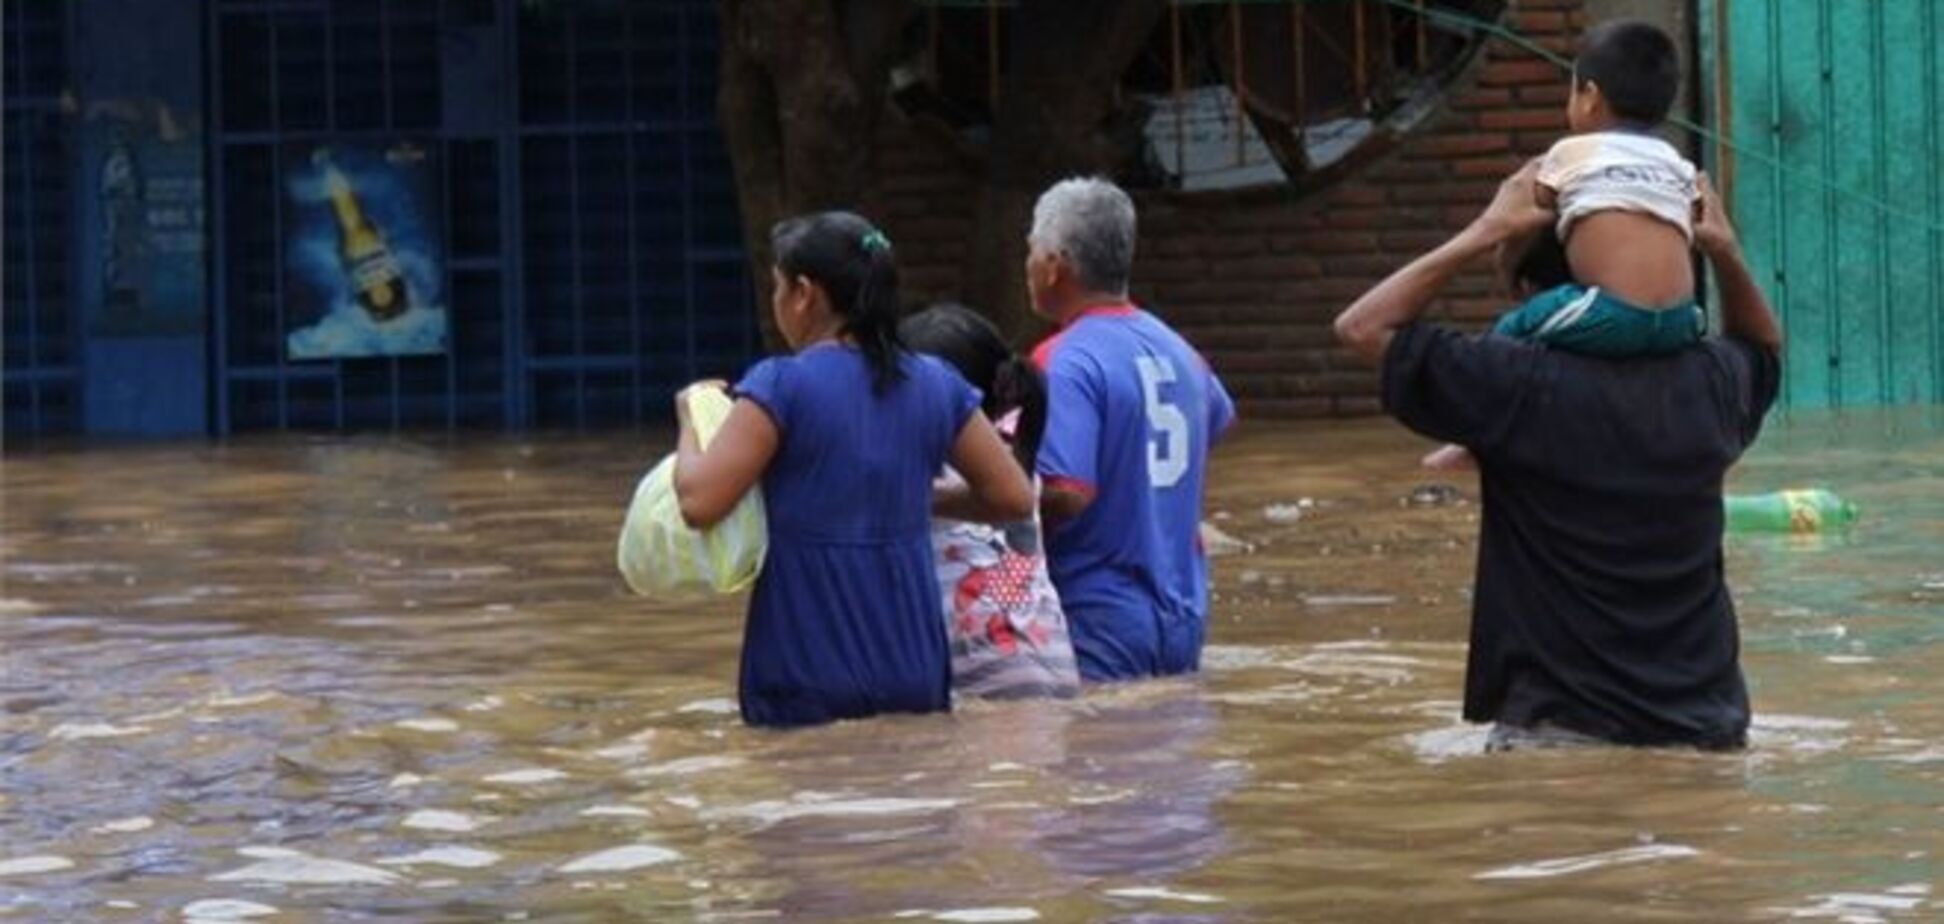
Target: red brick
x,y
1273,268
1175,269
1240,362
1458,146
1164,245
1519,73
1388,174
1482,98
1558,44
1372,219
1326,242
1333,289
1343,381
1359,405
1277,217
1354,193
1212,288
1523,119
1220,243
1413,242
1297,301
1493,167
1546,95
1294,263
1370,266
1287,408
1269,310
1531,21
1533,143
1442,193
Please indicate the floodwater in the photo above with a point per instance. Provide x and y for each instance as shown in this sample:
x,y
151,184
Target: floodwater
x,y
351,679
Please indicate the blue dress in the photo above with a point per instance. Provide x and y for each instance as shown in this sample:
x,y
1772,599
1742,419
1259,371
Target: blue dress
x,y
845,620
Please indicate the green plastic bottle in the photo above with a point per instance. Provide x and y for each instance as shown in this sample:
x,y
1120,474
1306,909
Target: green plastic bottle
x,y
1810,510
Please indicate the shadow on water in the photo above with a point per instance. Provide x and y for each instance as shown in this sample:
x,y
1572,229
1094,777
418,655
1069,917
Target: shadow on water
x,y
378,677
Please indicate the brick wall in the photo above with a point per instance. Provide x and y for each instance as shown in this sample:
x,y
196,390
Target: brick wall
x,y
1254,278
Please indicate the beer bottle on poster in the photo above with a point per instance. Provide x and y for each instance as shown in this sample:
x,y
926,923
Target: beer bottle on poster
x,y
378,284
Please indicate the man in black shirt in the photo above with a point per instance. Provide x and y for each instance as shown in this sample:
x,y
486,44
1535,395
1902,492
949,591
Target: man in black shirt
x,y
1600,610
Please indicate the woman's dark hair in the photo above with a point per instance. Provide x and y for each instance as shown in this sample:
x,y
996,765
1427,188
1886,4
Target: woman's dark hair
x,y
852,260
964,338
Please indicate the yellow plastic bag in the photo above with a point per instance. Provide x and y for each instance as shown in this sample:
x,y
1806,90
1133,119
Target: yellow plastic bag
x,y
660,555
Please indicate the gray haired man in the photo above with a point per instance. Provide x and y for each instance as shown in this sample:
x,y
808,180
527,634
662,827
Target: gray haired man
x,y
1132,411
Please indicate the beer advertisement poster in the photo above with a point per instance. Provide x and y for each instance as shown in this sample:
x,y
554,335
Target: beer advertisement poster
x,y
362,250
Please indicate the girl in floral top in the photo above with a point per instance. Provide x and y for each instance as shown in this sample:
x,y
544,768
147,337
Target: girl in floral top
x,y
1008,634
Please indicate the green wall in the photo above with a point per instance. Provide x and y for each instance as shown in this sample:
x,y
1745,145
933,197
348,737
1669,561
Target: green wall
x,y
1832,109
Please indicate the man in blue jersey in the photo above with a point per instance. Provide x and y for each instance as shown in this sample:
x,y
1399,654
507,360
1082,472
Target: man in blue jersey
x,y
1132,410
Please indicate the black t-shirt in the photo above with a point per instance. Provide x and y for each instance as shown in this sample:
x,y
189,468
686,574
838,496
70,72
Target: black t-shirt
x,y
1600,604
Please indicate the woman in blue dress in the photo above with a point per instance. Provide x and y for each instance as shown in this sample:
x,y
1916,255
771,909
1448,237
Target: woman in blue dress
x,y
845,437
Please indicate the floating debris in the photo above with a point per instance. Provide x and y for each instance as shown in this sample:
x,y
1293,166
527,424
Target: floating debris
x,y
451,855
226,909
616,811
1434,495
1283,514
124,825
1217,543
621,859
1165,894
529,777
972,915
1349,599
1568,865
688,766
28,866
439,820
84,731
807,807
716,706
290,867
429,726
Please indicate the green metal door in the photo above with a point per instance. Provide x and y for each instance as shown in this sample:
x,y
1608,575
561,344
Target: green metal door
x,y
1835,173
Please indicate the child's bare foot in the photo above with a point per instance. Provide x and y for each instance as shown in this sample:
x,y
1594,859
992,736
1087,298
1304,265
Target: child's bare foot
x,y
1450,459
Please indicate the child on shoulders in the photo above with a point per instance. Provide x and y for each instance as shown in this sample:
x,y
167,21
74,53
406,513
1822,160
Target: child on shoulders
x,y
1625,200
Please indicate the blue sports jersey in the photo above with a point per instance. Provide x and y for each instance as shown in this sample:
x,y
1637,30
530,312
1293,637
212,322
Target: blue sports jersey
x,y
1132,410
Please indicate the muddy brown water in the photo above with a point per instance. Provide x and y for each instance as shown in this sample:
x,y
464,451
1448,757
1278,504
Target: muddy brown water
x,y
393,678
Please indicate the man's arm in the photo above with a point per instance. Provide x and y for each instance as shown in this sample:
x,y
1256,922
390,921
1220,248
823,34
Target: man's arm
x,y
1060,503
1745,312
1368,325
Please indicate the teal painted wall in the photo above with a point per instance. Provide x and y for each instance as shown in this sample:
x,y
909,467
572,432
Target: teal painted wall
x,y
1832,111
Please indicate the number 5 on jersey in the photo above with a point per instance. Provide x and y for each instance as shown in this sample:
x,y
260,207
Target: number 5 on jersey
x,y
1167,457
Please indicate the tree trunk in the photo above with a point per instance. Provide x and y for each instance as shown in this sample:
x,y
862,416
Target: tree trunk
x,y
802,88
1059,115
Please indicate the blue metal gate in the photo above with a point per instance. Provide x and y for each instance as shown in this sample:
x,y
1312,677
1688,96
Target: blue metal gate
x,y
593,259
41,363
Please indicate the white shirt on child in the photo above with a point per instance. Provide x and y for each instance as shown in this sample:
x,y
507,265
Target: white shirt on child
x,y
1620,170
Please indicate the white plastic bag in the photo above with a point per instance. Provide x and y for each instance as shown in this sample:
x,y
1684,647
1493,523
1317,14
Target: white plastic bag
x,y
660,555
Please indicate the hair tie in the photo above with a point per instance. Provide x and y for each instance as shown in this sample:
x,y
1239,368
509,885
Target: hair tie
x,y
874,241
